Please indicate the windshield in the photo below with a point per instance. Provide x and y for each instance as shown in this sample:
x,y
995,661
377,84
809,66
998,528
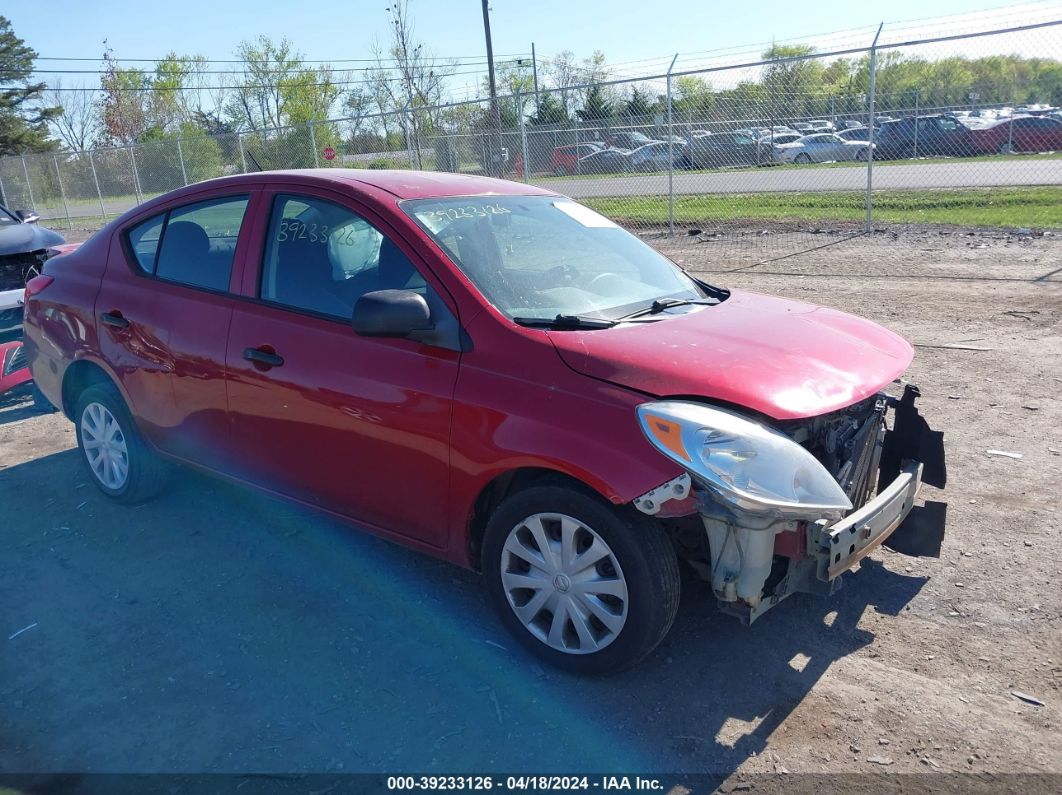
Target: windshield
x,y
542,256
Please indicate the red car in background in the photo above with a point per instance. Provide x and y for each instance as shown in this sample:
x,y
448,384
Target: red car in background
x,y
1018,134
563,160
490,373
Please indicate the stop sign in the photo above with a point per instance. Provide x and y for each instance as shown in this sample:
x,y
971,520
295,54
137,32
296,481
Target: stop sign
x,y
329,153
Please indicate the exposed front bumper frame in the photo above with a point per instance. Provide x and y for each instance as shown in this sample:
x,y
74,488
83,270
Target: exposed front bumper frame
x,y
848,540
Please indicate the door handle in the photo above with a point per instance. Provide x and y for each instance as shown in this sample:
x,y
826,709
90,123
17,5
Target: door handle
x,y
114,318
263,356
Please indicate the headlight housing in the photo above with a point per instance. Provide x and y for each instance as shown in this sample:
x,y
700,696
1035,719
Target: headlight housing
x,y
747,465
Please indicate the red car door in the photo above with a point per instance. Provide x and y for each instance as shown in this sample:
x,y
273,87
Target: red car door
x,y
163,315
355,425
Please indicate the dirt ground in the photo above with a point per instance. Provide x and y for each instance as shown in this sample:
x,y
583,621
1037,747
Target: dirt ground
x,y
217,630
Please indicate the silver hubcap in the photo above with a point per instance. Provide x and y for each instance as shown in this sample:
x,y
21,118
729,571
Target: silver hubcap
x,y
104,444
564,583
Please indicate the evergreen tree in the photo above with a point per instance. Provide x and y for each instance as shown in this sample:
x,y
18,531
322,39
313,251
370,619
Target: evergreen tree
x,y
23,117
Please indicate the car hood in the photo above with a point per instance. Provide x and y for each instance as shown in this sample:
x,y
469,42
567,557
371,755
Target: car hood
x,y
24,238
782,358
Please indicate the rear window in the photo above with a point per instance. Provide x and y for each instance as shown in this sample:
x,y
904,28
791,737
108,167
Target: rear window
x,y
144,241
192,245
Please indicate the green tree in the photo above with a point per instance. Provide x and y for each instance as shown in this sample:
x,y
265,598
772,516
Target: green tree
x,y
637,106
693,98
596,107
549,110
23,118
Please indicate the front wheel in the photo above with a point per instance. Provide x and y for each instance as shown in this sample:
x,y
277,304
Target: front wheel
x,y
584,585
118,459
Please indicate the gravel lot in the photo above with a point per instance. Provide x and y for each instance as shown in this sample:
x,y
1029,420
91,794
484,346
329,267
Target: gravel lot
x,y
217,630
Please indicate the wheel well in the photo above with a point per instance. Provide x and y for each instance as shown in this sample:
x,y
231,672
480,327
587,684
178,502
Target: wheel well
x,y
77,378
504,485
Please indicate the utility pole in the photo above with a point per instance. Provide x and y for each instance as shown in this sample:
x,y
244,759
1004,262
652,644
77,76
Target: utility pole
x,y
534,72
495,116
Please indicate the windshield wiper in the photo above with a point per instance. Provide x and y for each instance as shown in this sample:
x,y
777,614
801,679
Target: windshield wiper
x,y
661,304
565,322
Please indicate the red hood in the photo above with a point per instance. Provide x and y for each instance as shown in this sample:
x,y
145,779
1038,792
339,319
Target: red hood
x,y
782,358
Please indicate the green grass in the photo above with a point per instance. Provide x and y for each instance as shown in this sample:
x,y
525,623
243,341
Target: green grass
x,y
1033,207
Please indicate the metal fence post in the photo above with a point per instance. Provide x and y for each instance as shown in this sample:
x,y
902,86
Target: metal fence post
x,y
96,179
243,157
870,147
670,155
29,187
62,191
916,124
180,155
136,176
313,143
3,195
523,138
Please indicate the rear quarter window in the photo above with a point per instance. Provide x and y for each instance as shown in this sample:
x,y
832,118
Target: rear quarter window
x,y
144,242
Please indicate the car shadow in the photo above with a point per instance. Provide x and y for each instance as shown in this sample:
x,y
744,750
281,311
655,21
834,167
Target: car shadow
x,y
237,632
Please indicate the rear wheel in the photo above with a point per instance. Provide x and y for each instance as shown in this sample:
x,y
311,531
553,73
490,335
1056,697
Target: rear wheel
x,y
118,459
803,158
582,584
862,154
1006,148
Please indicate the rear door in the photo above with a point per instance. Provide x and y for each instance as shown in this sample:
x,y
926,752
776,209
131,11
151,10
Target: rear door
x,y
356,425
163,315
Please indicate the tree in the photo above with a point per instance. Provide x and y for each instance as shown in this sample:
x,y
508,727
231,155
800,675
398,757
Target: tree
x,y
693,98
23,116
597,107
549,110
76,124
123,106
792,79
258,102
637,106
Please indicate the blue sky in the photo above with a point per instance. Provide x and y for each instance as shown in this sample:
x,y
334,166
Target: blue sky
x,y
625,30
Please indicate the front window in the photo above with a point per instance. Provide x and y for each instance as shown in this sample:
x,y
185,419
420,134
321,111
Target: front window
x,y
541,256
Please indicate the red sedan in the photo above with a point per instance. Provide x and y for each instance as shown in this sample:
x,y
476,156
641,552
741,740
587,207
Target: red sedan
x,y
1020,134
489,373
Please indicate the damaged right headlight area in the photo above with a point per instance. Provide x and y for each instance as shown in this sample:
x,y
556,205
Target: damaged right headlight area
x,y
787,508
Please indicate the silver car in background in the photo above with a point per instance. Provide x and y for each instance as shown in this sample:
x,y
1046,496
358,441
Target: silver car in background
x,y
821,148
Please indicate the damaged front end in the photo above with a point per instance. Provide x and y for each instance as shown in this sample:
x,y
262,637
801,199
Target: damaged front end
x,y
789,508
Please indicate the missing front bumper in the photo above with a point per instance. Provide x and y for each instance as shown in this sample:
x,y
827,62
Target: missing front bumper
x,y
847,541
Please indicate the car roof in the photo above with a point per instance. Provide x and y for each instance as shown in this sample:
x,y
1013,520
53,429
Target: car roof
x,y
400,183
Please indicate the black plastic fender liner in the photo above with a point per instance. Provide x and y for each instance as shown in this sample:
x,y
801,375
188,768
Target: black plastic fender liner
x,y
911,438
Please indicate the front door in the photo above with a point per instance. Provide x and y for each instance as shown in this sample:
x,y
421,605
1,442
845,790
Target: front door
x,y
355,425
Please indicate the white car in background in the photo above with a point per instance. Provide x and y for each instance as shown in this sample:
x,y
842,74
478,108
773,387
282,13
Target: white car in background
x,y
821,148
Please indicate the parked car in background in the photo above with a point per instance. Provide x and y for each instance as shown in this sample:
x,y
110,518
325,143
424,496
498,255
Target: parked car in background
x,y
855,134
821,148
767,144
801,126
658,155
485,372
24,246
628,140
563,160
823,125
1018,134
725,149
606,161
936,135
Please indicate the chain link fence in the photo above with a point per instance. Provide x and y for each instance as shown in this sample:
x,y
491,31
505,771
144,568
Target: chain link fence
x,y
756,160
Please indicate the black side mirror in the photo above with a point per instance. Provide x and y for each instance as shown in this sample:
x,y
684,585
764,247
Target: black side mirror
x,y
391,313
28,216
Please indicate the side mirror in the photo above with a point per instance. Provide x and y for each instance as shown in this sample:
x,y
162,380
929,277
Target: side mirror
x,y
28,216
391,313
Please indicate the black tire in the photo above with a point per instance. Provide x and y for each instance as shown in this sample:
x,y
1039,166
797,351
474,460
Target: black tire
x,y
639,545
862,155
803,158
147,472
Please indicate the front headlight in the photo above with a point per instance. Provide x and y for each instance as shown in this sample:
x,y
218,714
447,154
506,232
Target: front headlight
x,y
746,464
